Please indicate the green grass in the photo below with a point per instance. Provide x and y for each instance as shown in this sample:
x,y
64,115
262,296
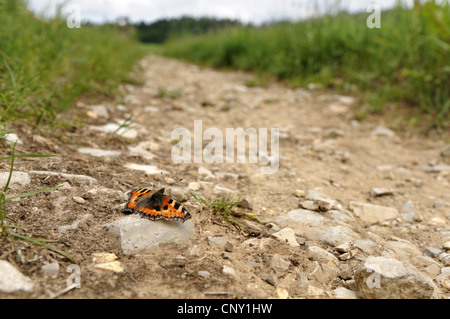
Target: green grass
x,y
163,93
45,66
224,207
406,60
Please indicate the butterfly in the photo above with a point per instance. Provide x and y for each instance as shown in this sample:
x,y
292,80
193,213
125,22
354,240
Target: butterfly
x,y
155,205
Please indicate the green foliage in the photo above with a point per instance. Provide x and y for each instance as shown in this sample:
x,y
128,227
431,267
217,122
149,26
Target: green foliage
x,y
407,59
161,30
44,65
224,207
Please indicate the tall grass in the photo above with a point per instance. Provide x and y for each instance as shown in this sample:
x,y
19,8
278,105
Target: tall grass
x,y
407,59
44,65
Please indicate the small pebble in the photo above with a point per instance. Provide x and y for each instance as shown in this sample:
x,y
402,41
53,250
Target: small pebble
x,y
194,186
380,191
78,200
281,293
431,251
446,245
299,193
343,248
204,274
228,270
50,270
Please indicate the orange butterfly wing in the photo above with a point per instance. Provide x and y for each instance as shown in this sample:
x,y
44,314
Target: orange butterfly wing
x,y
167,208
135,194
173,210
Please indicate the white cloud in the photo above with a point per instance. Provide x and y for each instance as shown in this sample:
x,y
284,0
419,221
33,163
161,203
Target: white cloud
x,y
255,11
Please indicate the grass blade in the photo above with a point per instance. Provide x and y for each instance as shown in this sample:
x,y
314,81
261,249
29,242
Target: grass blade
x,y
28,155
2,212
33,192
38,242
11,168
11,74
125,124
200,200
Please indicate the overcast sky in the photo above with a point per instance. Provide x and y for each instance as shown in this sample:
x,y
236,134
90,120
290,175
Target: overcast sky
x,y
255,11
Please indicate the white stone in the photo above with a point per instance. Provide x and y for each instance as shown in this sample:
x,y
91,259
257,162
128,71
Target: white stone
x,y
373,214
81,178
388,278
444,258
432,251
194,186
408,212
100,110
12,280
402,250
151,109
103,257
380,191
287,235
17,178
217,241
325,272
299,193
277,263
321,255
223,191
229,270
148,169
75,224
126,132
139,234
305,223
12,138
446,245
344,293
337,235
281,293
245,202
309,205
338,108
113,266
343,248
78,200
366,245
225,176
206,173
96,152
313,291
141,150
204,274
382,131
50,270
436,168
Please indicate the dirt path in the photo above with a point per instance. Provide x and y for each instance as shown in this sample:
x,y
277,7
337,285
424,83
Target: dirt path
x,y
327,159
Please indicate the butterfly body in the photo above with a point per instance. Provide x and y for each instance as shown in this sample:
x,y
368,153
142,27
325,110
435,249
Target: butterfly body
x,y
155,205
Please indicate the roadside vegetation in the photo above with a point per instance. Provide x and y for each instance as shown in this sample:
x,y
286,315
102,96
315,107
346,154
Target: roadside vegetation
x,y
45,65
407,60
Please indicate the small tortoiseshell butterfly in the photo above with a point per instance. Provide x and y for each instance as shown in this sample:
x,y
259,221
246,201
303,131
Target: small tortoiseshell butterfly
x,y
155,205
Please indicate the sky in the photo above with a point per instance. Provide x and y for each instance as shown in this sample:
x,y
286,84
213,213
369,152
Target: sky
x,y
248,11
